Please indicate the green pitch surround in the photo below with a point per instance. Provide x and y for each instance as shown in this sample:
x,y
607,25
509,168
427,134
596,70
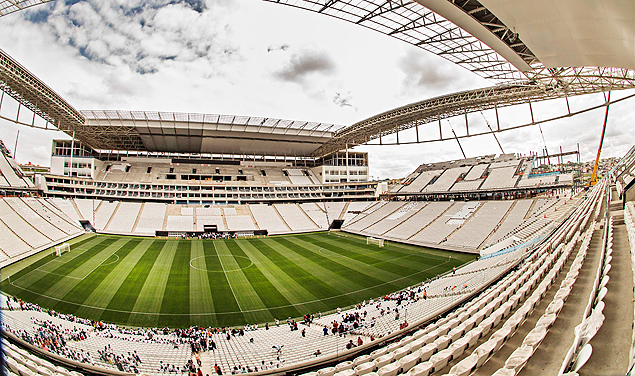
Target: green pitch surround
x,y
180,282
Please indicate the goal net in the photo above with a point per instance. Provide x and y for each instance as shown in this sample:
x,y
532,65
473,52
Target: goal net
x,y
64,247
376,241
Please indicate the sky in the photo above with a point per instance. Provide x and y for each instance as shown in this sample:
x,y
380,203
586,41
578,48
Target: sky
x,y
250,57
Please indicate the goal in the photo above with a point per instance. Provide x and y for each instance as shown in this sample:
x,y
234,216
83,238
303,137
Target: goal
x,y
377,241
64,247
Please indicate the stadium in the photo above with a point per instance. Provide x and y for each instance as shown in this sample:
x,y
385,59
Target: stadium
x,y
190,243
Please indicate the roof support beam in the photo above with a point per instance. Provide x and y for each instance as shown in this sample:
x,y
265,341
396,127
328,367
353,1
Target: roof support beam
x,y
571,81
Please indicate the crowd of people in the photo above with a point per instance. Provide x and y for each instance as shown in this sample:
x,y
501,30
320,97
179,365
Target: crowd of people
x,y
125,363
26,306
199,339
53,338
205,235
217,235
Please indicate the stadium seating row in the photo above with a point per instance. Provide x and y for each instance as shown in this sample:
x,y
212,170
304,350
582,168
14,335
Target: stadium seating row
x,y
431,348
486,174
147,218
593,319
170,173
29,225
466,226
19,362
11,175
629,220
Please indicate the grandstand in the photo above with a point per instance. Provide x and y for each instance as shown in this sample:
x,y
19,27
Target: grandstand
x,y
469,178
175,212
481,315
12,178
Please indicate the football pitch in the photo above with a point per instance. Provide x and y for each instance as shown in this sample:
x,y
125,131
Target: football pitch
x,y
180,282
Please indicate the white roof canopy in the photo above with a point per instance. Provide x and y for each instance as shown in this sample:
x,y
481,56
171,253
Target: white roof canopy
x,y
573,33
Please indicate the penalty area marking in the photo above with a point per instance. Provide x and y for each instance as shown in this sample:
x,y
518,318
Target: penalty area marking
x,y
110,263
224,270
69,276
334,254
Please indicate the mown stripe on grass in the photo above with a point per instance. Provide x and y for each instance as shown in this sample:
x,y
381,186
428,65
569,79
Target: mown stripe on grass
x,y
410,276
294,292
29,296
365,259
76,296
126,295
41,282
355,286
394,253
294,283
324,283
201,299
67,284
397,252
151,295
111,276
425,252
176,297
21,267
263,286
225,304
246,295
31,275
348,268
8,288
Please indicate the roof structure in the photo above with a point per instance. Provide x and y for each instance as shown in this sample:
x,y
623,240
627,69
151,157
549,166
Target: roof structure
x,y
10,6
534,50
109,130
501,40
202,133
537,50
448,29
31,92
581,33
548,85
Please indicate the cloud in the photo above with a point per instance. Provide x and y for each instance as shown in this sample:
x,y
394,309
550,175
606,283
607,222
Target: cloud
x,y
424,72
212,56
343,101
303,65
141,34
281,47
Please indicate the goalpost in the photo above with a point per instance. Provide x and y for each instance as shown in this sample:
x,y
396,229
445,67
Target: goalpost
x,y
377,241
64,247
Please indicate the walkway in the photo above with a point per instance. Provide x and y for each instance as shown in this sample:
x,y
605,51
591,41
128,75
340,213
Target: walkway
x,y
612,343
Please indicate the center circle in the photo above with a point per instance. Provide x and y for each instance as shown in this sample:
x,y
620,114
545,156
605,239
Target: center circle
x,y
220,263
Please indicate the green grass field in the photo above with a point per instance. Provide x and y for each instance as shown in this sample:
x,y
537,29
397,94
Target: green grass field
x,y
177,283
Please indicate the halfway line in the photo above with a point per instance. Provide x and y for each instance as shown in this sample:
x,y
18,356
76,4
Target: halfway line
x,y
220,259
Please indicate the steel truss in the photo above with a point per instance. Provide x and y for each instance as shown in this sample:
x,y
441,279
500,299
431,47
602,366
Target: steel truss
x,y
30,92
403,19
10,6
546,84
413,23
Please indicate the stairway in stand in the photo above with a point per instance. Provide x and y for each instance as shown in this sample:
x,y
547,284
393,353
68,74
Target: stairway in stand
x,y
206,363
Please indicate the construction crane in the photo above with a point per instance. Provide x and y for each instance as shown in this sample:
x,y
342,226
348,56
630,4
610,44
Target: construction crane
x,y
594,176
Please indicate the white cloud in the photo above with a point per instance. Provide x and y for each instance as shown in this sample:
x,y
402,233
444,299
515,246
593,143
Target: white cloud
x,y
305,66
222,57
433,76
